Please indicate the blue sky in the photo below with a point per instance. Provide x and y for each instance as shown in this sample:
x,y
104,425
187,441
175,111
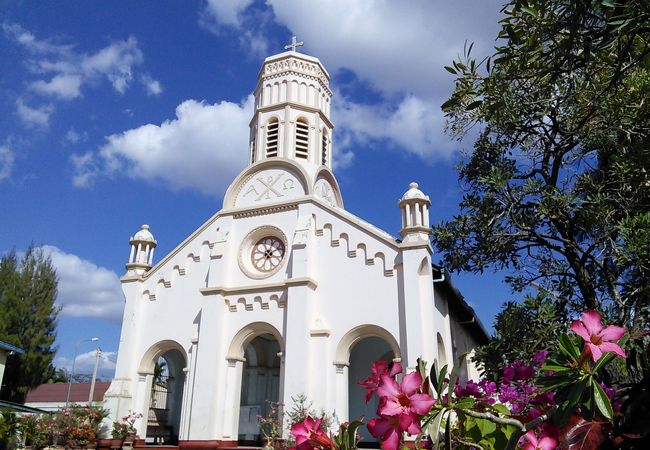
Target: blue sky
x,y
121,113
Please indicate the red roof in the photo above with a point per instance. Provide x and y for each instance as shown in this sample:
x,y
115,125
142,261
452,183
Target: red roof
x,y
57,392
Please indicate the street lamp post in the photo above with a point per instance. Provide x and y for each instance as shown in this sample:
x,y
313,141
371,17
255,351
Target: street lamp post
x,y
74,360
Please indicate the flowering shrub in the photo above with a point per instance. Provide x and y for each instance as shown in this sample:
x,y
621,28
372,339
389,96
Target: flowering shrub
x,y
536,405
271,424
309,435
555,400
72,427
125,426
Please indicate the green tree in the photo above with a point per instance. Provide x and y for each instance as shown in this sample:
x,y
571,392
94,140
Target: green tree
x,y
520,330
557,186
28,320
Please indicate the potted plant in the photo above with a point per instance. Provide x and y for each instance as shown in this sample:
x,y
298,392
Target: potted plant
x,y
123,429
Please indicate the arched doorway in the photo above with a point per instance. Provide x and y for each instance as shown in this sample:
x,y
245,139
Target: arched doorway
x,y
363,353
165,382
355,353
260,385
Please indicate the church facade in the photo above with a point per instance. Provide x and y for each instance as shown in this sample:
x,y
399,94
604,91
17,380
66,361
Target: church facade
x,y
282,292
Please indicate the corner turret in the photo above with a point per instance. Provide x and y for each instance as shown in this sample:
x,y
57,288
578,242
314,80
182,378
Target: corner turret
x,y
415,215
141,257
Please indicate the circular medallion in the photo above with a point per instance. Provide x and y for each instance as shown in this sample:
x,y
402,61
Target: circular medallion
x,y
267,254
262,252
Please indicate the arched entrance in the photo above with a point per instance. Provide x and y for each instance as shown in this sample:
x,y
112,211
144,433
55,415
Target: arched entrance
x,y
355,353
260,385
164,366
362,355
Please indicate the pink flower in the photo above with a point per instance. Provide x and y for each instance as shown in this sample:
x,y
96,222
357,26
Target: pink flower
x,y
404,399
597,339
309,435
545,443
378,368
389,429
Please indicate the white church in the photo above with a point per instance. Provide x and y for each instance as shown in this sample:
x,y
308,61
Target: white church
x,y
282,292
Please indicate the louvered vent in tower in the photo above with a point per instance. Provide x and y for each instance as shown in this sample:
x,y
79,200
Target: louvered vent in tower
x,y
253,149
272,139
324,149
302,140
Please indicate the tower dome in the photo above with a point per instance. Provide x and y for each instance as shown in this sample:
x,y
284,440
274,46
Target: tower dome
x,y
142,246
414,192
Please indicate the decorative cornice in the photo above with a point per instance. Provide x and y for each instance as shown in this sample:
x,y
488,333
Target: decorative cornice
x,y
293,105
257,211
295,66
292,282
421,244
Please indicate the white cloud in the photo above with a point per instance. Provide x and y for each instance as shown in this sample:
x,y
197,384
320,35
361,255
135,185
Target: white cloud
x,y
85,363
413,124
85,289
72,136
29,41
227,12
153,86
6,162
237,16
397,47
115,62
64,86
39,116
202,148
62,72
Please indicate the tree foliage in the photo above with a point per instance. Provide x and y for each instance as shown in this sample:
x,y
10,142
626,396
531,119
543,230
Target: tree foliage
x,y
520,330
557,187
28,320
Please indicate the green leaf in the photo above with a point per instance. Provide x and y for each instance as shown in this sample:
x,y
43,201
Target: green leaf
x,y
601,400
555,368
441,379
474,105
449,103
454,375
433,376
451,70
465,403
501,409
434,429
486,426
529,10
568,347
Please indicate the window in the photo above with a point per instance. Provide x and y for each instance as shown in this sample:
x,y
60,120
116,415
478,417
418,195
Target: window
x,y
253,149
324,148
272,138
302,139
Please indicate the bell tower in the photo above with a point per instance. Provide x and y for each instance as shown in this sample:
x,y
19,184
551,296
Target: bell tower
x,y
292,110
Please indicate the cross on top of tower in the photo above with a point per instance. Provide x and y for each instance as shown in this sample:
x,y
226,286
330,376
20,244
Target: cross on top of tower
x,y
294,44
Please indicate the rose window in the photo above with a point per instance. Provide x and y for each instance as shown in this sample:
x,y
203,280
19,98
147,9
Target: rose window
x,y
267,254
